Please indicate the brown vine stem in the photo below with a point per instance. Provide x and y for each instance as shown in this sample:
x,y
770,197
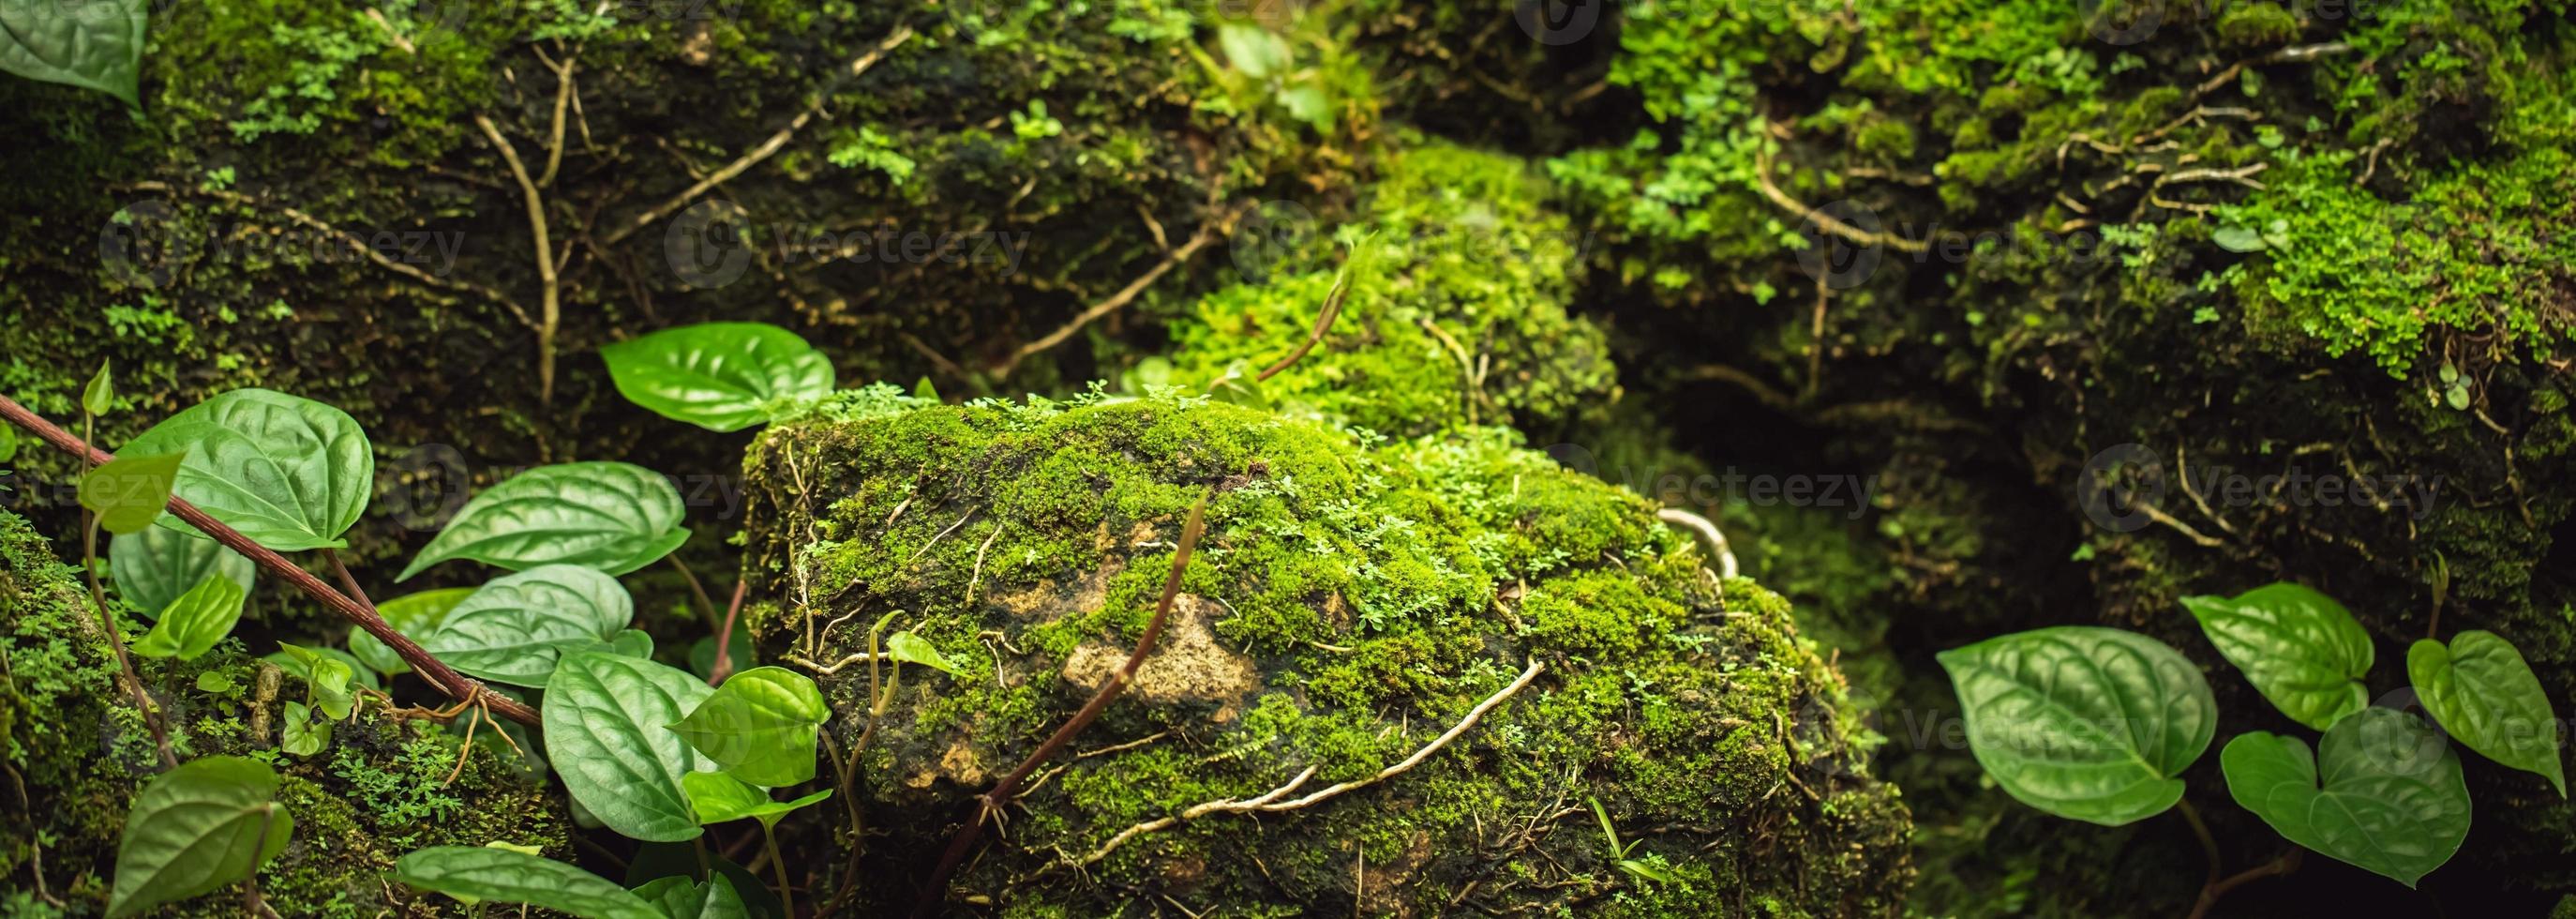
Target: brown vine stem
x,y
1002,792
2209,894
431,670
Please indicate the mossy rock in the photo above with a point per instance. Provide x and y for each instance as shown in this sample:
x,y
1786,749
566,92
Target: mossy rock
x,y
77,755
1351,601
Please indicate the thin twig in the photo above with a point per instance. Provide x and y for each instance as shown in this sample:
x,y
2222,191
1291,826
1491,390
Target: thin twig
x,y
550,307
1711,540
724,638
992,801
431,670
1207,233
860,65
1323,325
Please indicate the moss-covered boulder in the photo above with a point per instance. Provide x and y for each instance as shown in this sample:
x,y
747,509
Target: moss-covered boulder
x,y
77,753
1351,603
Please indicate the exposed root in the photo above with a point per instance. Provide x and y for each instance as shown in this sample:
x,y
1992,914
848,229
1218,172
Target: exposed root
x,y
1711,540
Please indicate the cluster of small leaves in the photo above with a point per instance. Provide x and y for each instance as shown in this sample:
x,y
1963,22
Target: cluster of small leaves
x,y
2096,724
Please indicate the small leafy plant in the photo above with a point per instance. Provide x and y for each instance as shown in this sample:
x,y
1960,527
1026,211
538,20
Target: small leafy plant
x,y
2098,724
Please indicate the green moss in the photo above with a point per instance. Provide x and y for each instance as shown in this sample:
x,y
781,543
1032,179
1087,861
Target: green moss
x,y
1349,603
78,755
1459,276
2257,25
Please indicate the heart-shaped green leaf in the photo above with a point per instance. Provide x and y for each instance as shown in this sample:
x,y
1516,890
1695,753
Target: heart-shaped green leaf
x,y
2086,723
288,472
604,718
2483,692
721,798
761,725
2300,649
208,823
2391,800
414,615
303,734
722,376
681,898
490,874
512,630
97,44
195,622
154,566
614,517
626,643
326,673
129,492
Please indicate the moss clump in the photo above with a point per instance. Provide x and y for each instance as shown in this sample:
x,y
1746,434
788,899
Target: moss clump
x,y
1348,604
1460,273
77,755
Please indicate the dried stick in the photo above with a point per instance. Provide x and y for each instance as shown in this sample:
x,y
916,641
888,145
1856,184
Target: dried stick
x,y
431,670
901,34
1002,791
550,309
1115,301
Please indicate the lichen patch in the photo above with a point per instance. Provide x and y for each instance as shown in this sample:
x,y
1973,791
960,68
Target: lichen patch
x,y
1188,665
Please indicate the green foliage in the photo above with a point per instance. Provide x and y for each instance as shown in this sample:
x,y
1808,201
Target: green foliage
x,y
721,798
496,874
129,492
2481,691
288,472
761,726
914,649
99,394
2298,647
2389,797
513,629
90,45
722,376
613,517
208,823
681,898
605,718
2086,723
196,621
152,567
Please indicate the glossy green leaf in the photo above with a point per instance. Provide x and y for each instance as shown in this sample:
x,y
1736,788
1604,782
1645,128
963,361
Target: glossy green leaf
x,y
1254,50
604,717
2300,649
488,874
99,394
414,615
288,472
512,630
303,734
217,682
614,517
681,898
327,674
195,622
2389,798
721,798
208,823
761,725
2086,723
94,44
8,443
2483,692
2235,238
154,566
722,376
300,667
914,649
626,643
129,492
